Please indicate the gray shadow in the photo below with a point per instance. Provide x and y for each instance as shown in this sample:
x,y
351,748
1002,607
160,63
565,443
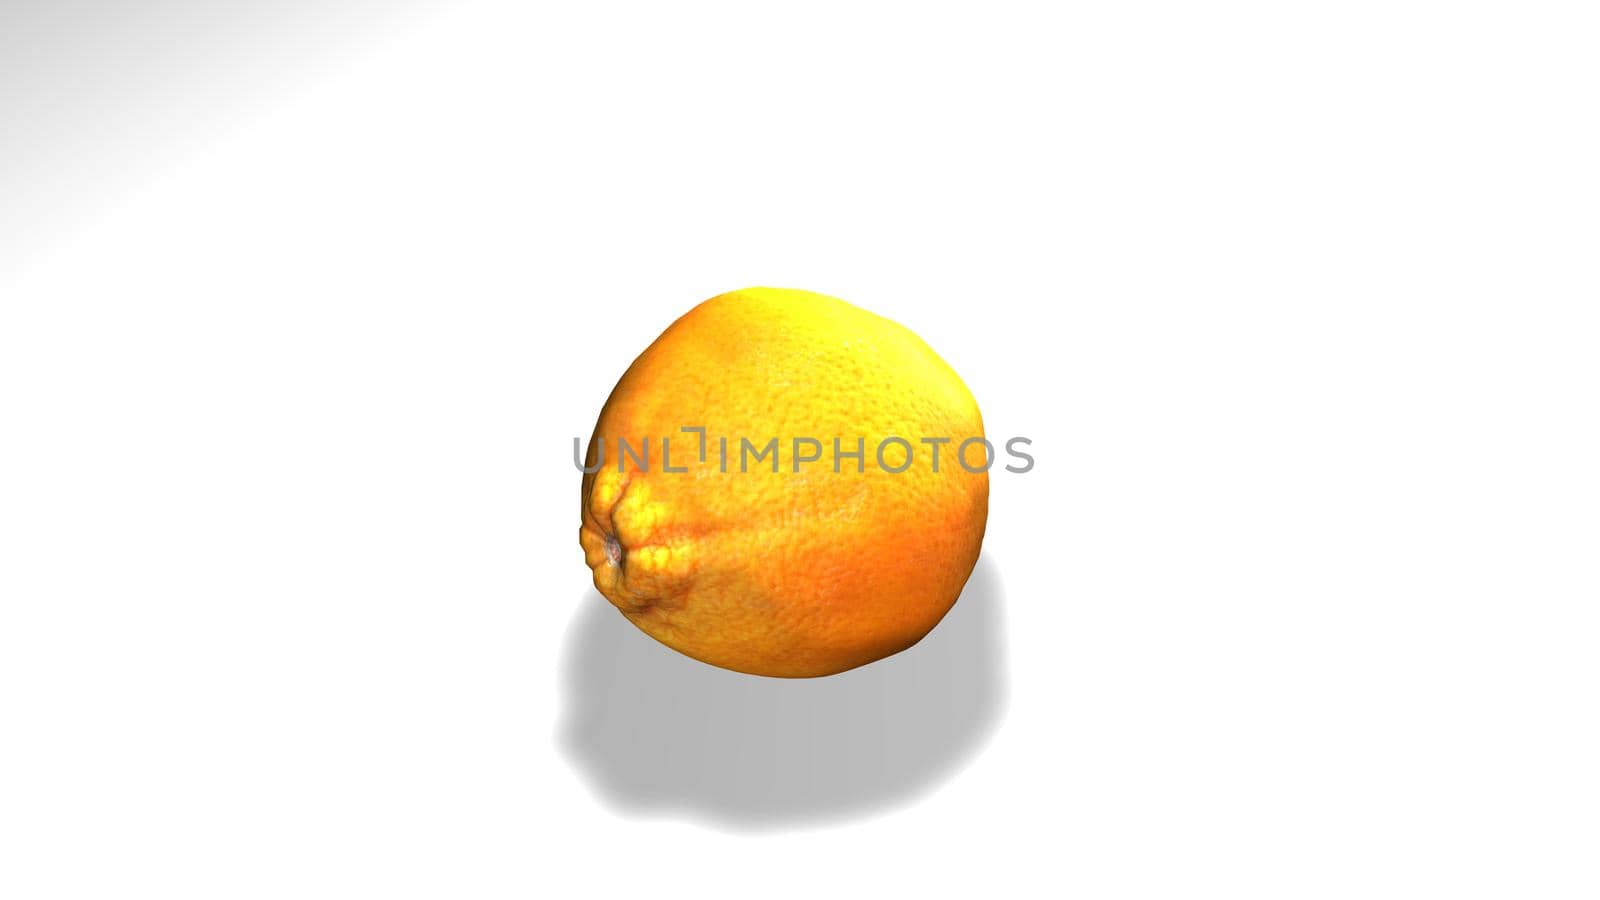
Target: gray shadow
x,y
655,732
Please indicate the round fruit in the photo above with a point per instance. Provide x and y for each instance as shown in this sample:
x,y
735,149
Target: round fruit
x,y
728,515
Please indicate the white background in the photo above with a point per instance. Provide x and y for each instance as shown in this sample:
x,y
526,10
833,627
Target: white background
x,y
303,304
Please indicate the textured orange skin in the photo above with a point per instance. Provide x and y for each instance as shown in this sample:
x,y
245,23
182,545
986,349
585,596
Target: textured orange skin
x,y
783,573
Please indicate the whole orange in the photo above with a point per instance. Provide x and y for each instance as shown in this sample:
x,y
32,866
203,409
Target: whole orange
x,y
805,559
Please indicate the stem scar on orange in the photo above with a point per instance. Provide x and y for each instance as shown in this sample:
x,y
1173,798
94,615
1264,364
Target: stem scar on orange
x,y
769,546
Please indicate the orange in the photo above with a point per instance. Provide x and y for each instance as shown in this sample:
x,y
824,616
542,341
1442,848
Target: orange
x,y
825,564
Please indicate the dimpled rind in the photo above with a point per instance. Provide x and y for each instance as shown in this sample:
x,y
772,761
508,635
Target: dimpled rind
x,y
785,573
